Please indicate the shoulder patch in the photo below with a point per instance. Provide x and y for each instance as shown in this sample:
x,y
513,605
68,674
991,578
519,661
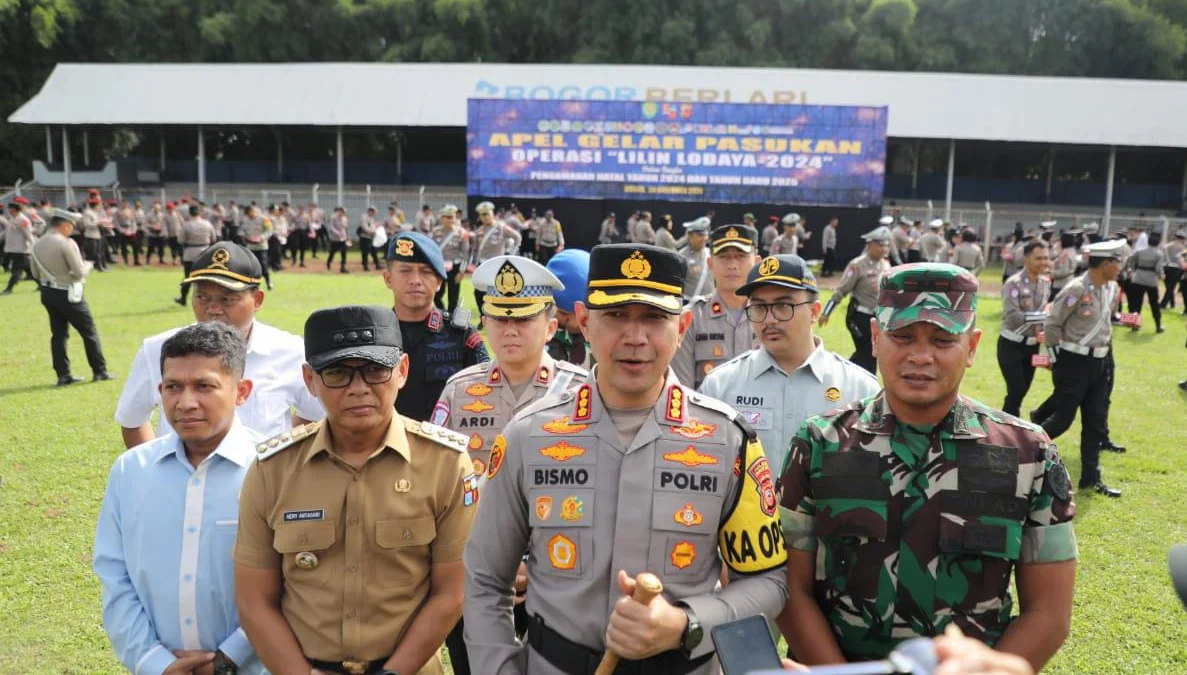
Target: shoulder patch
x,y
473,339
272,446
439,435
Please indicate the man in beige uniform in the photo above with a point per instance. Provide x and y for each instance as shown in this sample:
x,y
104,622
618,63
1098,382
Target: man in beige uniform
x,y
969,254
454,242
609,232
630,472
519,315
550,239
861,279
490,239
58,266
196,235
787,243
348,558
644,231
92,233
699,280
720,330
1024,302
931,244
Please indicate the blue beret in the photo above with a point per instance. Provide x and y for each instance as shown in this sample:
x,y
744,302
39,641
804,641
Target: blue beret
x,y
416,247
571,266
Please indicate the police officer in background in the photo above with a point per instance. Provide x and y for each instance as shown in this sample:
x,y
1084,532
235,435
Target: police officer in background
x,y
608,234
1079,336
787,243
630,472
769,234
196,235
348,557
1024,301
1145,270
861,279
699,280
719,330
571,268
61,273
969,254
256,230
519,316
790,376
366,235
454,242
492,238
18,243
828,245
438,343
1171,271
909,511
931,243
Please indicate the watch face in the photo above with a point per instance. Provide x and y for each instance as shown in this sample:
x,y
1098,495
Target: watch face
x,y
695,635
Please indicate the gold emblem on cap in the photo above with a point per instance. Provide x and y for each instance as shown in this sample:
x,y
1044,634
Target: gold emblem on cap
x,y
404,247
403,485
731,233
306,560
636,267
769,266
508,281
220,258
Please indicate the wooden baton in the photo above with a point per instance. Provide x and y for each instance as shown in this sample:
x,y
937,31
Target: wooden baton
x,y
647,586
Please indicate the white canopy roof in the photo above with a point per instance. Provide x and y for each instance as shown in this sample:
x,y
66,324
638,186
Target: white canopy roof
x,y
922,105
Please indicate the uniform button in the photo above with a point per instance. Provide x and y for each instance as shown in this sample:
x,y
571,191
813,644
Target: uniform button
x,y
188,577
197,481
191,529
350,612
302,539
354,567
189,620
354,520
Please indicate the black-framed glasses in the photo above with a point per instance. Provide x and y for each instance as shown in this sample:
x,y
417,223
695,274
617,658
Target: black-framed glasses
x,y
782,311
337,377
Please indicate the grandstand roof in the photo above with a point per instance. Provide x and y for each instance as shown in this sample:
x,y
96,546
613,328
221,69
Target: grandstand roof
x,y
1078,111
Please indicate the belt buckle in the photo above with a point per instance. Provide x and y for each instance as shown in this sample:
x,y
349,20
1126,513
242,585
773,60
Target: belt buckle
x,y
355,667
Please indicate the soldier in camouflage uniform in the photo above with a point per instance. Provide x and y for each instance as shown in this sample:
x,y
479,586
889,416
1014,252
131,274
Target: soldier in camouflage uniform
x,y
908,511
861,279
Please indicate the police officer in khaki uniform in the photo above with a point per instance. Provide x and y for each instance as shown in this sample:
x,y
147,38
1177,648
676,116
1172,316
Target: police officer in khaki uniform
x,y
931,244
491,238
1078,334
256,230
550,239
1024,302
519,314
630,472
348,558
196,235
454,242
720,330
699,280
861,279
787,243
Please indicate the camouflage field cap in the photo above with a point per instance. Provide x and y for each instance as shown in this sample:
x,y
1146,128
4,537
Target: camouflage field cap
x,y
938,293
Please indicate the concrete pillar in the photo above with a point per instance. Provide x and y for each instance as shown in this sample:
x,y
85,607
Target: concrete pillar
x,y
915,169
951,179
201,163
1050,175
49,147
86,149
1104,226
161,167
279,157
338,156
66,166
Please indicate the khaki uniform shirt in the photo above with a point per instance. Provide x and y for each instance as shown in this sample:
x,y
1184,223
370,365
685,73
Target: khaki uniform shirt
x,y
664,239
690,492
126,221
828,240
931,247
1145,266
712,339
339,228
1021,298
90,223
861,279
356,545
644,232
255,232
492,241
1082,313
367,226
478,402
1173,250
61,258
900,243
1064,267
173,224
196,235
18,237
785,244
699,280
608,233
424,223
769,234
969,256
454,243
550,234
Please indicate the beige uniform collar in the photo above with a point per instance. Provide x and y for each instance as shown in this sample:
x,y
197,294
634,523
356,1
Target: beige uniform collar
x,y
396,440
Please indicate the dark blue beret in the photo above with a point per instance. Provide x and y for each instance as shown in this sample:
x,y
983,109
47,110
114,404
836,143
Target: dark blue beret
x,y
416,247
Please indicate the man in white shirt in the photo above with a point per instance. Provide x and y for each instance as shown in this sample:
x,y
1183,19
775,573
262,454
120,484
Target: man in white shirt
x,y
226,280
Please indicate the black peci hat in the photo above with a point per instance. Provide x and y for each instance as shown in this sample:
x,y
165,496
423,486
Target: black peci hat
x,y
367,332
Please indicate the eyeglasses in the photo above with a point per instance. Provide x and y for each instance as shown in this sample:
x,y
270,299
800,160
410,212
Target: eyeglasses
x,y
337,377
782,311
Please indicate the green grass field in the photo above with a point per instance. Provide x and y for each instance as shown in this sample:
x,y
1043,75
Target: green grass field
x,y
56,446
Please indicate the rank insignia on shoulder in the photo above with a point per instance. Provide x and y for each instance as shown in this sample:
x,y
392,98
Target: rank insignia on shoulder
x,y
440,435
272,446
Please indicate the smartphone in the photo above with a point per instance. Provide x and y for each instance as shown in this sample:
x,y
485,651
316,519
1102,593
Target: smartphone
x,y
745,646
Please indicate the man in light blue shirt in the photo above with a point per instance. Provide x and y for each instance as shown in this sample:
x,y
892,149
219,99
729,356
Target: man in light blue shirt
x,y
790,376
170,514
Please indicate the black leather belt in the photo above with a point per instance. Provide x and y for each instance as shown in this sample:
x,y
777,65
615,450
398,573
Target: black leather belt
x,y
577,659
350,667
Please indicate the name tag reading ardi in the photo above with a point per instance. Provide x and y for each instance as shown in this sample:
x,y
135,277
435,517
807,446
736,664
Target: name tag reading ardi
x,y
304,516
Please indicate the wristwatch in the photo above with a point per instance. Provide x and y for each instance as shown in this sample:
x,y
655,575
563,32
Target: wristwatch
x,y
223,665
693,633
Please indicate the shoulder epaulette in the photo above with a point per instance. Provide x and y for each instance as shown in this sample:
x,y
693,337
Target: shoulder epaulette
x,y
436,434
725,409
469,371
270,447
558,399
571,367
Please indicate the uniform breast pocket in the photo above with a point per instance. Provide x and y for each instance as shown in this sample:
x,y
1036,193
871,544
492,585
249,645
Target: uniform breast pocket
x,y
405,559
267,403
852,503
305,549
707,355
684,534
562,531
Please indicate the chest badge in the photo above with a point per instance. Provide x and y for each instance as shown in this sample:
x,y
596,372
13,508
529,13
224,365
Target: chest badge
x,y
543,507
478,406
562,552
561,425
572,509
690,457
478,389
832,394
688,516
403,485
683,554
695,429
562,452
479,467
306,560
